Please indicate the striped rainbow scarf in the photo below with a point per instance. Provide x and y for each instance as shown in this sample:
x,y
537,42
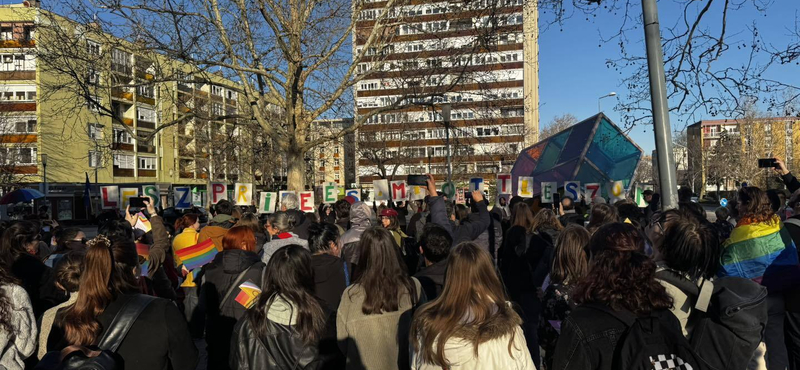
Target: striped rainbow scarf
x,y
763,252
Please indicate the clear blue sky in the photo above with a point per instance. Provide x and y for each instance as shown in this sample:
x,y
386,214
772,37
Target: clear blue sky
x,y
573,73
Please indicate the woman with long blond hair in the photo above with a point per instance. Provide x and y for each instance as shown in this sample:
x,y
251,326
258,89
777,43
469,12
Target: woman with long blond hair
x,y
546,223
471,325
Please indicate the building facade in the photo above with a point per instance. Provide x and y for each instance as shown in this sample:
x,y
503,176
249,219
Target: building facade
x,y
479,59
333,161
56,136
723,153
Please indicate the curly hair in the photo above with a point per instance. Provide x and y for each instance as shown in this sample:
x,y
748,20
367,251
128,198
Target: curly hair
x,y
6,306
754,206
546,218
620,274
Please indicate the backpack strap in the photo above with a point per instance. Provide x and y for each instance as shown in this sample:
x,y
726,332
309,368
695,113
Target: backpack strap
x,y
123,321
235,284
792,221
704,298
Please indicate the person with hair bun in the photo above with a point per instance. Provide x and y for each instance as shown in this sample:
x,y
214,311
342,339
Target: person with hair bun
x,y
621,279
280,226
158,339
68,271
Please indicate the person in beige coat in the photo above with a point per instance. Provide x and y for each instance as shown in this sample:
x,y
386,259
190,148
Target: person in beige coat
x,y
471,325
374,315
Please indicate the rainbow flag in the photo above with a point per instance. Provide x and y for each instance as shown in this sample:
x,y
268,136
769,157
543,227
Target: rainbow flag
x,y
248,292
197,255
142,223
763,252
143,250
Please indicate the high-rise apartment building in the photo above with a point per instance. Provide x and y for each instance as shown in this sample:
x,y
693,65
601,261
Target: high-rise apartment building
x,y
478,58
50,134
333,161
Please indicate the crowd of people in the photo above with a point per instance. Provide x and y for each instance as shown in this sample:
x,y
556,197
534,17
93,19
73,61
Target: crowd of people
x,y
416,285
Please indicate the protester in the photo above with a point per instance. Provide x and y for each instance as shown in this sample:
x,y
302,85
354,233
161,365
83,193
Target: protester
x,y
158,339
187,228
568,215
525,261
283,329
471,325
389,221
722,224
330,272
17,323
360,221
235,265
490,239
291,205
601,214
66,239
373,319
418,219
547,224
342,208
18,254
621,280
570,266
434,247
501,208
280,226
68,272
251,221
326,213
467,230
761,249
222,221
630,213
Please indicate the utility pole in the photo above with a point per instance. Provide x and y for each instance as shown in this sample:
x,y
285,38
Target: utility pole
x,y
658,99
446,119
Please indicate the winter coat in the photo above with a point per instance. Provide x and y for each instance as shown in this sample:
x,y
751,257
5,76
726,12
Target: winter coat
x,y
360,220
301,223
14,349
187,238
468,230
280,349
557,304
377,341
329,279
219,276
216,229
279,241
571,218
491,239
38,280
493,351
432,279
524,267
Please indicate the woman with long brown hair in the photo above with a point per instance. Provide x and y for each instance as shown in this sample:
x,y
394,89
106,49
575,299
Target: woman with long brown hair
x,y
158,339
601,214
235,265
545,222
471,325
285,325
251,220
373,319
621,282
570,266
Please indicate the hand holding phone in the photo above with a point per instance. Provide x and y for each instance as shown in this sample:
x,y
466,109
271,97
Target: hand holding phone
x,y
767,163
417,180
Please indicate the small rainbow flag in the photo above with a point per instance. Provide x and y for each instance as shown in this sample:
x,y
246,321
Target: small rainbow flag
x,y
197,255
142,223
143,250
249,291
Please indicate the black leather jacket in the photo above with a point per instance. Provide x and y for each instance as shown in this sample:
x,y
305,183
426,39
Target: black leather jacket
x,y
281,348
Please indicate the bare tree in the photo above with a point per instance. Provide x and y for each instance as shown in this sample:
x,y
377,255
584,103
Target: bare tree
x,y
558,124
17,157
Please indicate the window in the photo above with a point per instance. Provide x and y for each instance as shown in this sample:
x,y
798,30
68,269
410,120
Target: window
x,y
123,161
120,57
147,163
336,176
93,103
122,137
92,47
25,127
95,159
95,131
216,90
147,91
26,156
216,109
336,150
93,76
146,114
6,33
335,162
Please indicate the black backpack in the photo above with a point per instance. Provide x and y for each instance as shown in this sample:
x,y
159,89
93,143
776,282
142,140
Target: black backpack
x,y
103,356
652,342
729,318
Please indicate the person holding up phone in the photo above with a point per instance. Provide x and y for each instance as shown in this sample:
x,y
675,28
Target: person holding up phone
x,y
470,228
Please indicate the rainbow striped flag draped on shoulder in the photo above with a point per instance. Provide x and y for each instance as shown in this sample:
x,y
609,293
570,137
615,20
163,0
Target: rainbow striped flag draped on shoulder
x,y
197,255
763,252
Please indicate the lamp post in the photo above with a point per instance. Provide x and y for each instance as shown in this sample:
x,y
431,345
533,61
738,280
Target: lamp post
x,y
446,119
44,166
603,97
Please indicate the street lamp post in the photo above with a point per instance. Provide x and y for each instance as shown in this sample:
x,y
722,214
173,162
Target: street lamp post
x,y
44,166
602,97
446,119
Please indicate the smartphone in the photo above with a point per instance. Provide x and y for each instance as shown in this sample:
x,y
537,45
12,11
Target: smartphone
x,y
138,202
767,163
556,200
417,180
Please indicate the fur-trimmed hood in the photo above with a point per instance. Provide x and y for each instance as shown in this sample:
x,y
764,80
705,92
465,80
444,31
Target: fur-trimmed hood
x,y
499,325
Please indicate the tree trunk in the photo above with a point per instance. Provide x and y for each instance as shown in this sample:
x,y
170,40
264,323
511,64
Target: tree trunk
x,y
296,171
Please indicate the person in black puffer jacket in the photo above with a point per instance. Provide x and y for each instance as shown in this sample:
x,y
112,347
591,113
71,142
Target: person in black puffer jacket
x,y
284,328
235,265
330,272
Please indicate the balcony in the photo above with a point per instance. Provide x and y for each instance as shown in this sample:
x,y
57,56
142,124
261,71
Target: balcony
x,y
146,124
9,44
186,175
145,100
18,139
124,69
124,93
11,106
127,121
122,146
147,173
123,172
146,149
17,75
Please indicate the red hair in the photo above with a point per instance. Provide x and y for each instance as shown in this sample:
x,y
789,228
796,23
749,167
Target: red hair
x,y
185,221
238,235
